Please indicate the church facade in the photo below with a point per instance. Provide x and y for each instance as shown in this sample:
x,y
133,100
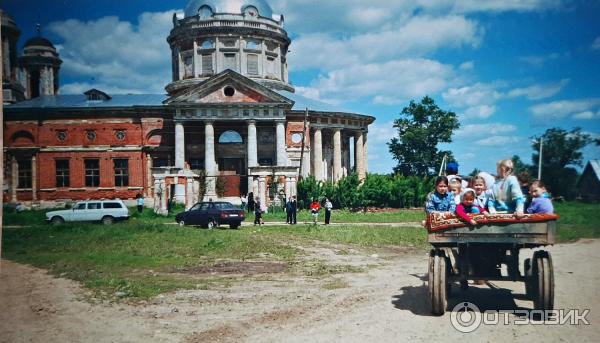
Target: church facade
x,y
229,124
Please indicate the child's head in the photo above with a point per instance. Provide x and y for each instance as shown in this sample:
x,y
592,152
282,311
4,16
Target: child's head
x,y
455,186
478,184
468,198
441,184
504,168
537,188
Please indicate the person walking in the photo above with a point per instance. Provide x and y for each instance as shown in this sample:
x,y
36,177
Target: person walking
x,y
250,202
328,208
294,210
257,212
140,203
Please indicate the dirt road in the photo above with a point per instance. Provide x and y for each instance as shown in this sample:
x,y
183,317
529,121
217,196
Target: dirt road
x,y
385,303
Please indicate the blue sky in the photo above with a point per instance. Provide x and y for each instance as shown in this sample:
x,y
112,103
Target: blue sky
x,y
510,69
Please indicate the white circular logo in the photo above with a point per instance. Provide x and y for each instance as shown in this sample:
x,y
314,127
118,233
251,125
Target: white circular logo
x,y
465,317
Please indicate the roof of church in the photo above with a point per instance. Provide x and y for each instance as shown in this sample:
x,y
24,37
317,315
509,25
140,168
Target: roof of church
x,y
38,41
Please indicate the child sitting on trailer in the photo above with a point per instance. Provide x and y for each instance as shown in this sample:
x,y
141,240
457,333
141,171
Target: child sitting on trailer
x,y
440,200
468,206
542,202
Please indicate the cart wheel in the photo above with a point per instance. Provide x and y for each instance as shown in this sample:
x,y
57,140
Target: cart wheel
x,y
437,281
543,281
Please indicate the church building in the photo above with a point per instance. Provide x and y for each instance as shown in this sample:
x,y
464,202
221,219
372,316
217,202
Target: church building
x,y
229,123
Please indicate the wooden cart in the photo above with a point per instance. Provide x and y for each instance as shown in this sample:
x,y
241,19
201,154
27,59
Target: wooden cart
x,y
476,253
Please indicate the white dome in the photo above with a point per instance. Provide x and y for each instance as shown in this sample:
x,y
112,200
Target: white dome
x,y
229,6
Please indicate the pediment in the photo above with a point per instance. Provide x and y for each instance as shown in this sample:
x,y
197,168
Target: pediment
x,y
227,87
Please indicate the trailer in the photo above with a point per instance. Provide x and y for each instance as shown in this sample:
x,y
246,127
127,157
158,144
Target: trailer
x,y
461,253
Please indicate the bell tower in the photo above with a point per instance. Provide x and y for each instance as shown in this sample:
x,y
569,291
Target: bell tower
x,y
40,65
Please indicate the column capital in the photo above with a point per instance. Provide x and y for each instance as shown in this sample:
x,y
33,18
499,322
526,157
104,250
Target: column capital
x,y
251,122
280,120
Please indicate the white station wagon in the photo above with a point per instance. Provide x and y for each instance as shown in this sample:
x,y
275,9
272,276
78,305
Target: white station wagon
x,y
105,211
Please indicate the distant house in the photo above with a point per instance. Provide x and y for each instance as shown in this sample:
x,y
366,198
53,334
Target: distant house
x,y
589,182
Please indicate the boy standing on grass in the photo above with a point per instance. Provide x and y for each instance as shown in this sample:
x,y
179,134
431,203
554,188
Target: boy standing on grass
x,y
328,207
294,207
314,210
140,203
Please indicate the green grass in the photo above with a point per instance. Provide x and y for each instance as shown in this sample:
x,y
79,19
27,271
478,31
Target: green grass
x,y
345,216
134,257
577,220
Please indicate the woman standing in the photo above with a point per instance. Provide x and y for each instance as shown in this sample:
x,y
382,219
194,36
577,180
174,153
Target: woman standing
x,y
328,208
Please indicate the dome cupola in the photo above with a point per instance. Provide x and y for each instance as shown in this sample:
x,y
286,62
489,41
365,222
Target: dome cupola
x,y
242,35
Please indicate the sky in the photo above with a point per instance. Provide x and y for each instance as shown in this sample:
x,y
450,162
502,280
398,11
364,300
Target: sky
x,y
509,69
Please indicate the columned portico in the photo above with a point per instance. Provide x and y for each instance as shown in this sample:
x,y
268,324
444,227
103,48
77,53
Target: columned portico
x,y
337,154
317,154
209,160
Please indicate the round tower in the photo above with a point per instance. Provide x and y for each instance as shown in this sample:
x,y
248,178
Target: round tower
x,y
13,91
40,65
242,35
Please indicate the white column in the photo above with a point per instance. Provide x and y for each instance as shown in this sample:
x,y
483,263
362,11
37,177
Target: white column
x,y
209,160
293,189
189,193
359,155
252,158
317,153
337,154
280,139
262,190
34,178
148,175
179,145
288,182
365,152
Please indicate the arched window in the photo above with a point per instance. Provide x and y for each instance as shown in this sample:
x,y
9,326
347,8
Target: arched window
x,y
205,12
207,44
253,44
230,137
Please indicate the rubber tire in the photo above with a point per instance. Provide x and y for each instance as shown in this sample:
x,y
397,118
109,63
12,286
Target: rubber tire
x,y
543,281
108,220
212,224
437,282
181,223
528,278
57,220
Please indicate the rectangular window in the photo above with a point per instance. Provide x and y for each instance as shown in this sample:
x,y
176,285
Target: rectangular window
x,y
196,163
24,173
207,64
188,65
62,173
121,172
92,173
252,64
112,205
230,62
271,66
160,162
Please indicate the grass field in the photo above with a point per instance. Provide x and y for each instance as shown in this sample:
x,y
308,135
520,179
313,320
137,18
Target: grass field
x,y
143,257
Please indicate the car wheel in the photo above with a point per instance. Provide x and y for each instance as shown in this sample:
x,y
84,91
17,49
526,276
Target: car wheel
x,y
57,220
212,224
181,222
108,220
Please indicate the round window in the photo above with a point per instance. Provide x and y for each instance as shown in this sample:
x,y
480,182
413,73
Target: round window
x,y
229,91
296,138
120,135
61,135
91,135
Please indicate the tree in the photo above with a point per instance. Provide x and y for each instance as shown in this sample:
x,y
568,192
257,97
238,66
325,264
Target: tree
x,y
421,127
561,153
520,166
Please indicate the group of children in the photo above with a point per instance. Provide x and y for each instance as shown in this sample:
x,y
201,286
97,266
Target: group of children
x,y
481,196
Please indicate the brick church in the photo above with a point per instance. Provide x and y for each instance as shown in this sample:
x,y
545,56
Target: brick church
x,y
228,124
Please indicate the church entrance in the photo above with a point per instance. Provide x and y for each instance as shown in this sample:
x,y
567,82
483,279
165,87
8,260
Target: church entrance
x,y
232,174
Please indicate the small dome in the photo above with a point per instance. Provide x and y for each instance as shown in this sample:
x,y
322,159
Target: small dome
x,y
229,6
38,41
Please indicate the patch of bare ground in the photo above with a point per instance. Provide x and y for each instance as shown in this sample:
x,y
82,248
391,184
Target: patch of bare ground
x,y
236,267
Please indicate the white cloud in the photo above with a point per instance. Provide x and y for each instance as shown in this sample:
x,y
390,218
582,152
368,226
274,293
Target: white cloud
x,y
540,91
538,61
116,54
596,44
469,65
498,141
563,108
587,115
390,82
417,37
476,101
479,130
